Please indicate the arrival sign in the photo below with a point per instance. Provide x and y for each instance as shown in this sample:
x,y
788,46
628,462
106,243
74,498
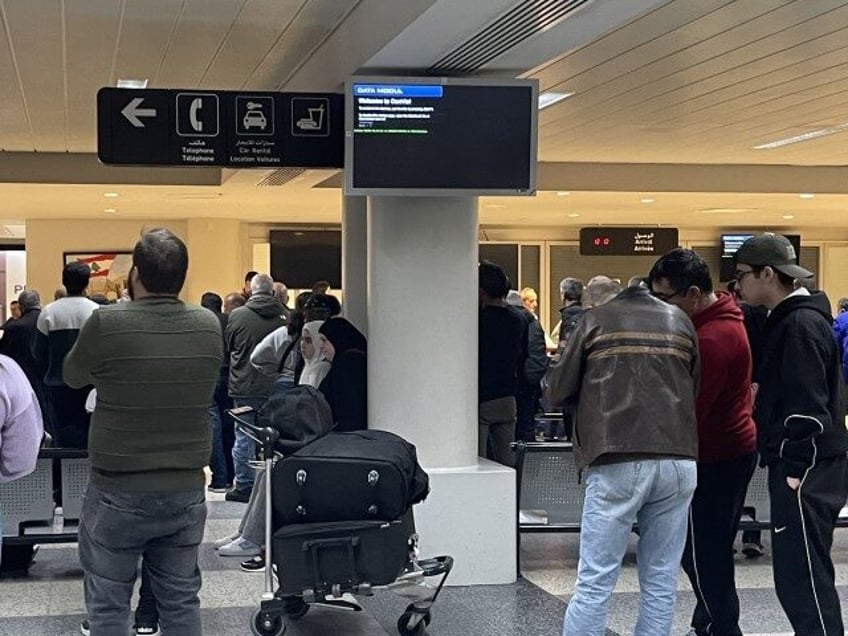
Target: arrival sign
x,y
255,129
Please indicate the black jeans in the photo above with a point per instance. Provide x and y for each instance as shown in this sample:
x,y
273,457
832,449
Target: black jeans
x,y
803,521
116,530
68,416
708,556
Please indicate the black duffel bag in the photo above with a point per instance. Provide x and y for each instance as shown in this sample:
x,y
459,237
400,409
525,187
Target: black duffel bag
x,y
300,415
348,476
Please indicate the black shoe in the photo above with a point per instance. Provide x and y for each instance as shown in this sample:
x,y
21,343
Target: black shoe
x,y
241,495
753,550
256,564
85,629
147,629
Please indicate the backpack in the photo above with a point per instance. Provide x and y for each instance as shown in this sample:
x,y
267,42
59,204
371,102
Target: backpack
x,y
299,414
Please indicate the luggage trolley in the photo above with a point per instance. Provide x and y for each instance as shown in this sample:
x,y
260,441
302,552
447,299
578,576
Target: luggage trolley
x,y
292,598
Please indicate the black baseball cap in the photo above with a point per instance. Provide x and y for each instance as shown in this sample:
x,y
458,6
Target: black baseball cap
x,y
772,250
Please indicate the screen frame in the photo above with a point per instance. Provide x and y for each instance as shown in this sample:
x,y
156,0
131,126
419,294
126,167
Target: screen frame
x,y
350,190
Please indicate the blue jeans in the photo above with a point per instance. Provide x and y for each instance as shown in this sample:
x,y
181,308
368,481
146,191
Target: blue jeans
x,y
655,493
118,528
244,448
217,460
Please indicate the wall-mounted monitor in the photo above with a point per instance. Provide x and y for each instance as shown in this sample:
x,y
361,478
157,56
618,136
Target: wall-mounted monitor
x,y
300,258
440,136
731,242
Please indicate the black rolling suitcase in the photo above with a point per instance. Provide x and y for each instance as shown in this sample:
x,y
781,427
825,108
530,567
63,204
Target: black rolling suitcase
x,y
355,475
315,557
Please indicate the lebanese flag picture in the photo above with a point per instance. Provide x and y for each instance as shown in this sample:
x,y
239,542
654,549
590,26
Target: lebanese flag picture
x,y
99,263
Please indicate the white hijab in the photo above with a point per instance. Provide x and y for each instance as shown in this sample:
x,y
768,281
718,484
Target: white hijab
x,y
315,368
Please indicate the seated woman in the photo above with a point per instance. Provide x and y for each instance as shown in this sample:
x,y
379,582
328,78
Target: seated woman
x,y
345,386
247,542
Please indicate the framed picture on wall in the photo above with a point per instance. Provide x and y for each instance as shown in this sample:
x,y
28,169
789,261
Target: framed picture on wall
x,y
109,271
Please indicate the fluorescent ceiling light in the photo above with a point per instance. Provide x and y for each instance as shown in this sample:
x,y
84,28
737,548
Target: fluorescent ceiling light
x,y
111,195
495,206
647,200
549,98
806,195
110,210
807,136
132,83
563,193
788,216
573,215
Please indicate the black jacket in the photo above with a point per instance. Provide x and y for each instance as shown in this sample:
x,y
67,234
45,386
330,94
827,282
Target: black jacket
x,y
17,343
799,411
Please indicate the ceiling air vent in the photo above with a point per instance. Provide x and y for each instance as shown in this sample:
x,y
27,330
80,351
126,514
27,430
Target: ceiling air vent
x,y
281,177
525,20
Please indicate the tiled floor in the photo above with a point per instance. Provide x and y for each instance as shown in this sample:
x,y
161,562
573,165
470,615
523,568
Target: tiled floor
x,y
49,601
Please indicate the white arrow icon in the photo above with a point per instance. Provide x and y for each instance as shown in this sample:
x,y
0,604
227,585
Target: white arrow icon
x,y
132,112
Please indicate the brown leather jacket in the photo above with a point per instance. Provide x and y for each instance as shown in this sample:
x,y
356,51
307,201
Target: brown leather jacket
x,y
632,364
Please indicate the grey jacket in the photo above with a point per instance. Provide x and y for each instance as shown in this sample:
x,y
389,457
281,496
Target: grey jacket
x,y
246,328
633,366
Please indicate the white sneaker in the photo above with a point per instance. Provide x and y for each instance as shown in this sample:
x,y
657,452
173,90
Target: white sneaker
x,y
220,543
241,547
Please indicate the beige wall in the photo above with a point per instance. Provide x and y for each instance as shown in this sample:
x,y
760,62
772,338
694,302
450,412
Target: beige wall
x,y
217,249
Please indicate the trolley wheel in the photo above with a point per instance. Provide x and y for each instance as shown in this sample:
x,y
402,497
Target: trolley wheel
x,y
403,625
296,608
260,627
411,609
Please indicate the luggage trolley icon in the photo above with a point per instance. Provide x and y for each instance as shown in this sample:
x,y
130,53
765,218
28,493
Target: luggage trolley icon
x,y
310,117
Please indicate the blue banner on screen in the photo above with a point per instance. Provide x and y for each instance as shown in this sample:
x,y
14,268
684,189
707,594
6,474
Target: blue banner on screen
x,y
397,90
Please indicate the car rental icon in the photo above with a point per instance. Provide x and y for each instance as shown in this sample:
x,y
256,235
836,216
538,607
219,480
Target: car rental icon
x,y
254,118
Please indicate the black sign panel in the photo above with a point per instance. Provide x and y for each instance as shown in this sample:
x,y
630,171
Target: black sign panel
x,y
627,241
220,128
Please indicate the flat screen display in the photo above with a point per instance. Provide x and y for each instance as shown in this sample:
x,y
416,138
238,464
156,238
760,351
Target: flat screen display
x,y
431,136
300,258
730,243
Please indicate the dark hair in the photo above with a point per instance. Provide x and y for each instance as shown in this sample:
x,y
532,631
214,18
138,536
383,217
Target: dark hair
x,y
212,302
14,302
75,278
100,299
249,276
784,279
321,307
493,281
683,269
161,260
320,287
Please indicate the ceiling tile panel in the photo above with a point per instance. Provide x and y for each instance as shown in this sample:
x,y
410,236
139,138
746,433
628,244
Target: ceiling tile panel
x,y
260,25
628,81
14,127
144,37
312,26
201,32
35,34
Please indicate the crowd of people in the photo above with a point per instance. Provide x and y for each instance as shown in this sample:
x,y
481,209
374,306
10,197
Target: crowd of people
x,y
671,389
144,384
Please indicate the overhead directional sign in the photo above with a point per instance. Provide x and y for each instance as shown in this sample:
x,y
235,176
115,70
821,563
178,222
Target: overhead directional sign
x,y
220,128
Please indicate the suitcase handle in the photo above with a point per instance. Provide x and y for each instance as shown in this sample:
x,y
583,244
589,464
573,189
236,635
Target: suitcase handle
x,y
315,545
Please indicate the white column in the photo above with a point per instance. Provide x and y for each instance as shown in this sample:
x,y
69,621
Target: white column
x,y
422,376
354,263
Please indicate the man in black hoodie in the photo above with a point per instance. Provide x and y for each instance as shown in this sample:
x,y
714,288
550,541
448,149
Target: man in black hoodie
x,y
801,431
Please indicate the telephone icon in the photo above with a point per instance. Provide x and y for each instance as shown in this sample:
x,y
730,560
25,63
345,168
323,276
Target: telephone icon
x,y
196,105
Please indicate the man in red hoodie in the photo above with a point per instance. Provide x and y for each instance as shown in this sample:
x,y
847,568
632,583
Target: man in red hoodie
x,y
727,438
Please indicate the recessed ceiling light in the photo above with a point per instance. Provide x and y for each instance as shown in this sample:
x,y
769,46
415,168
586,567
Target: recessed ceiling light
x,y
807,136
495,206
806,195
573,215
549,98
647,200
132,83
725,210
788,216
110,210
111,195
563,193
